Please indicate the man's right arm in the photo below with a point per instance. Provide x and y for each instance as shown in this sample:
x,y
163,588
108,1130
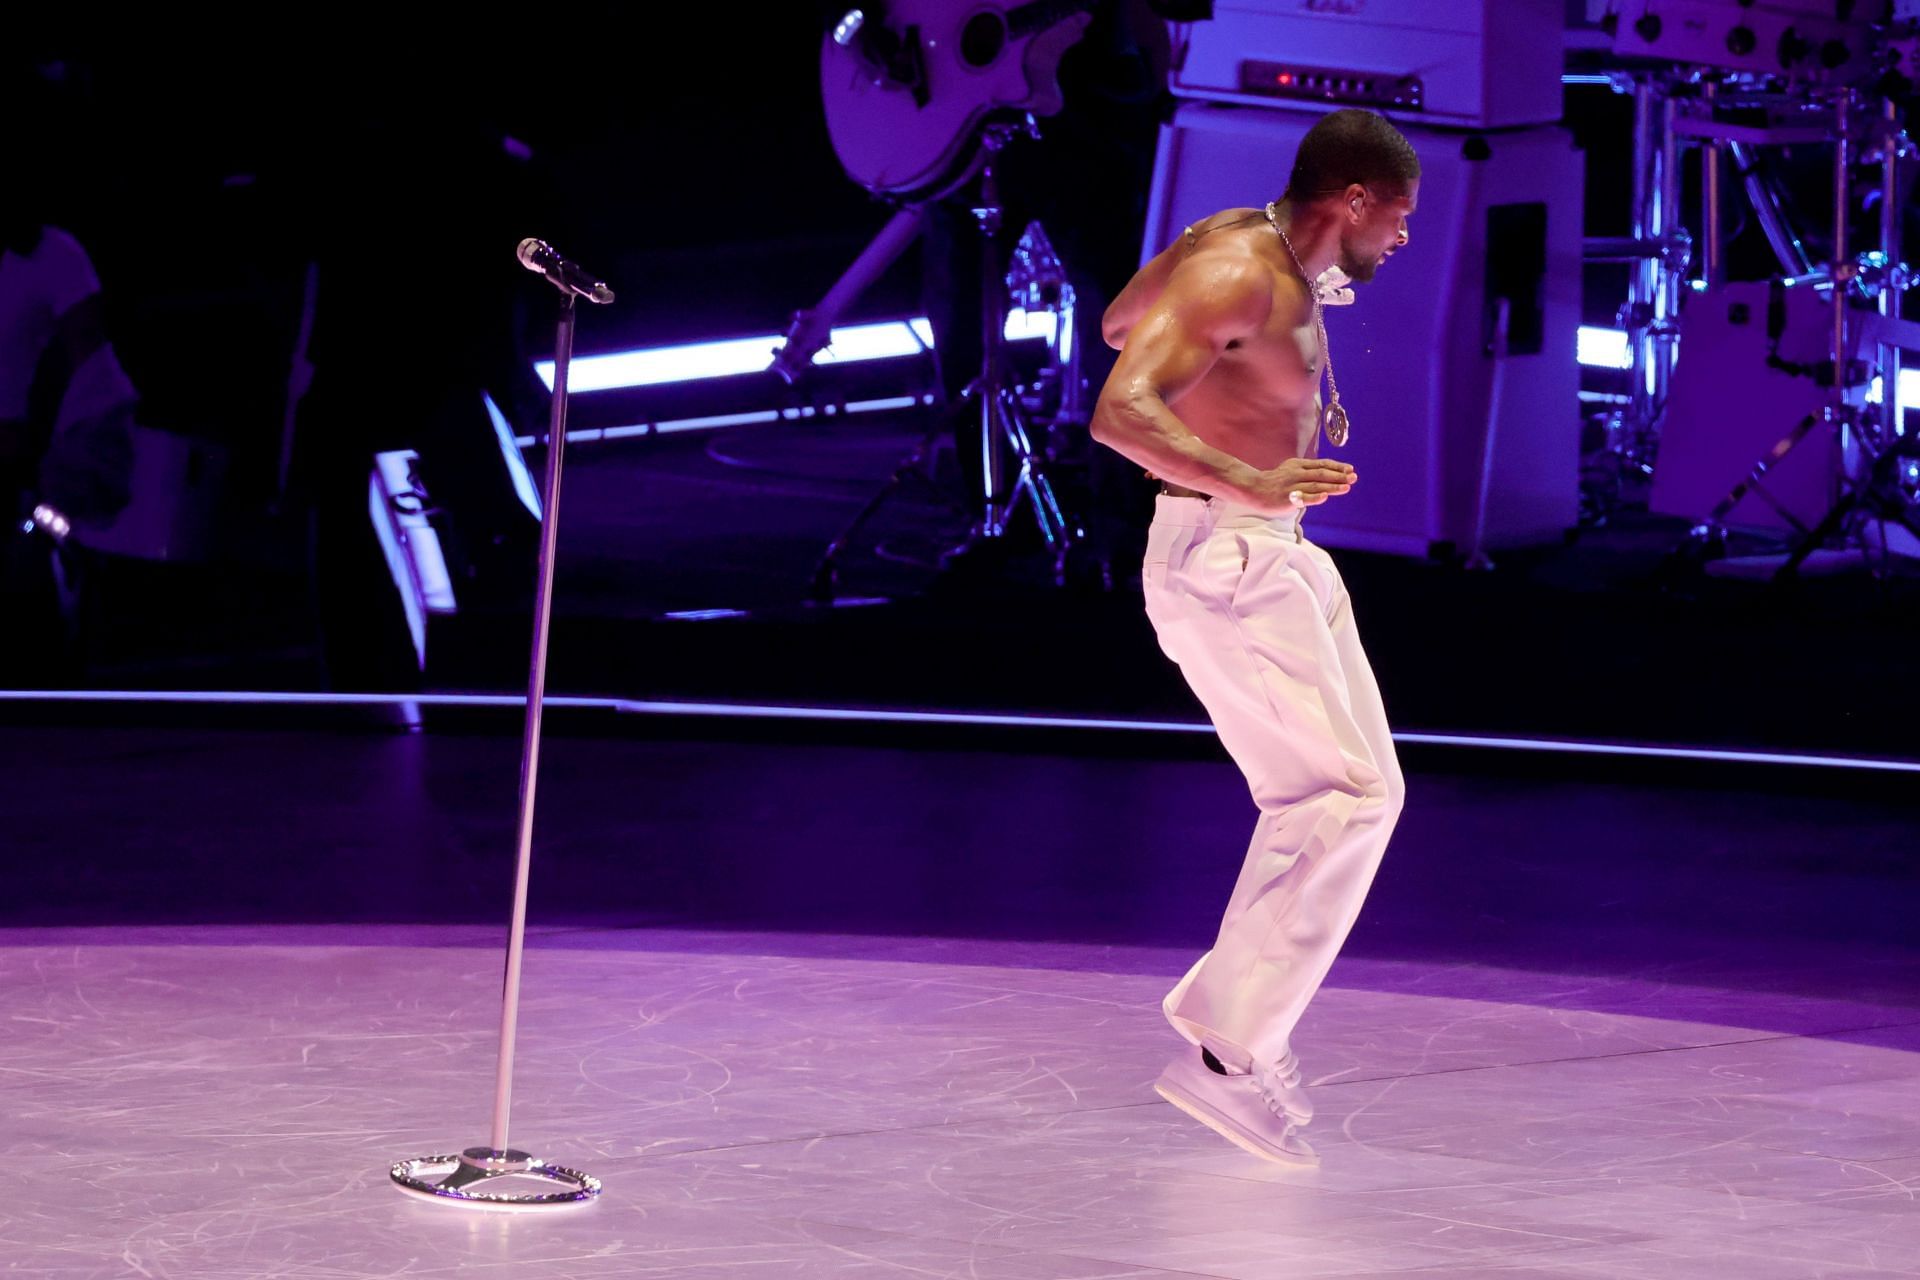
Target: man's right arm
x,y
1207,303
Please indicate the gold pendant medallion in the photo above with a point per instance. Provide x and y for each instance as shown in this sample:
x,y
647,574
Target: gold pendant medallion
x,y
1334,420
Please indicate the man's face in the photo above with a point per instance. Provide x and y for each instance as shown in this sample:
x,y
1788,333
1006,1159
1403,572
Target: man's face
x,y
1376,227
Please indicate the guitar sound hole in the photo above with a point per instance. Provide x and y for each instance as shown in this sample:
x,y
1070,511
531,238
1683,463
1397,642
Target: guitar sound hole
x,y
982,39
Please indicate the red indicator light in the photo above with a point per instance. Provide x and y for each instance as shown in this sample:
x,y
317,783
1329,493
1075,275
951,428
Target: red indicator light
x,y
1286,77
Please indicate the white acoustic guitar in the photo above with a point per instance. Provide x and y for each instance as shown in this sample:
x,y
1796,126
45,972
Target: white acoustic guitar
x,y
907,82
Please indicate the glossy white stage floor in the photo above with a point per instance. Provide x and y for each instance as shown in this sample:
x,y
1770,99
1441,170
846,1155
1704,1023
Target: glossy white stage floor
x,y
225,1103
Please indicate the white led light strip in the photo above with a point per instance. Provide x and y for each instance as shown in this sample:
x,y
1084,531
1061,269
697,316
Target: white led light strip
x,y
736,357
752,711
669,426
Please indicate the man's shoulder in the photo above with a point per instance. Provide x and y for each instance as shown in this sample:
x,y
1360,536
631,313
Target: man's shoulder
x,y
1220,276
1237,268
1223,260
1219,290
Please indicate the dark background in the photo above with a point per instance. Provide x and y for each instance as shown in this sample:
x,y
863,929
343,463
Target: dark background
x,y
206,163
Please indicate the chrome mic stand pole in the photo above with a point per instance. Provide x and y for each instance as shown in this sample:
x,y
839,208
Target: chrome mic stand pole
x,y
467,1176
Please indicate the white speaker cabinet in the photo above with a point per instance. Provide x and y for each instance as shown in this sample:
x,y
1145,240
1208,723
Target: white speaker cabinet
x,y
1499,216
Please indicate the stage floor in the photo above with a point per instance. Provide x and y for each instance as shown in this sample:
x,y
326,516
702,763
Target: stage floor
x,y
225,1102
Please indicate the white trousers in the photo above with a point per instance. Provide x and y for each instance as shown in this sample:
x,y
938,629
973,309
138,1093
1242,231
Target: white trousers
x,y
1260,624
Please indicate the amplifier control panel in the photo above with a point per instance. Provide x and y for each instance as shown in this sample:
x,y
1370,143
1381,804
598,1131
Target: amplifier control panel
x,y
1330,84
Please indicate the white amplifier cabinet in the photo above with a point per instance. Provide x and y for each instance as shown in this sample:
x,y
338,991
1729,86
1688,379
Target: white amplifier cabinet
x,y
1468,63
1412,352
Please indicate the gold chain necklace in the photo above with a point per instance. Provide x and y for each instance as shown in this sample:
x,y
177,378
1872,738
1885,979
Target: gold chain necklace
x,y
1333,418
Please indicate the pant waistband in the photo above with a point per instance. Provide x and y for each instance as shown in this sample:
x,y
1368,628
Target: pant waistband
x,y
1217,513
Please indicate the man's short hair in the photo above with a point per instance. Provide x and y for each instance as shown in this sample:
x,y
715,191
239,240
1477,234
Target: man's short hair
x,y
1352,146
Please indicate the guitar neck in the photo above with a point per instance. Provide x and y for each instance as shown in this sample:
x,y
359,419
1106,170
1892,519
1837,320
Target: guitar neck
x,y
1038,15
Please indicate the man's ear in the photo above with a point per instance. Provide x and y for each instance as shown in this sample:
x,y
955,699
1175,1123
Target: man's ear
x,y
1356,198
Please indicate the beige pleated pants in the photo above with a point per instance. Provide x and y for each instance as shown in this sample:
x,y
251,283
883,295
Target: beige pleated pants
x,y
1260,624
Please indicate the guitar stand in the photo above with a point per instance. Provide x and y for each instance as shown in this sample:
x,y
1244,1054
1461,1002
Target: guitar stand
x,y
1005,431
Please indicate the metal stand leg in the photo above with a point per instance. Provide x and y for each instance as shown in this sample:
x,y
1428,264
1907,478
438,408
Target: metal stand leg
x,y
475,1176
1004,427
825,583
1839,411
1030,483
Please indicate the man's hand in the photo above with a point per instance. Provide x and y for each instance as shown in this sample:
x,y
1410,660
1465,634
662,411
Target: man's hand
x,y
1298,482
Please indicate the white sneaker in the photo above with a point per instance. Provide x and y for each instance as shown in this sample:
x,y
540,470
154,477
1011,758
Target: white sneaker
x,y
1281,1081
1237,1108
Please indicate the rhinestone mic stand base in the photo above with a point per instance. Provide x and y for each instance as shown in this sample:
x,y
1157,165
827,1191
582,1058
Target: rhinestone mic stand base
x,y
496,1176
474,1178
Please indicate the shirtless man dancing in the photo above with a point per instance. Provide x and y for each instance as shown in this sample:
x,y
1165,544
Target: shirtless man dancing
x,y
1216,394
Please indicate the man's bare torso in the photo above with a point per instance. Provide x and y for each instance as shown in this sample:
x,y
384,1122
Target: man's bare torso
x,y
1258,401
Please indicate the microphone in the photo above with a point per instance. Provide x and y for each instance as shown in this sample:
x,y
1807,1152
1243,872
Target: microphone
x,y
568,277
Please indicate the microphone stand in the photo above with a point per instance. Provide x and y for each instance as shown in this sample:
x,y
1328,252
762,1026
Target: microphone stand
x,y
471,1177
